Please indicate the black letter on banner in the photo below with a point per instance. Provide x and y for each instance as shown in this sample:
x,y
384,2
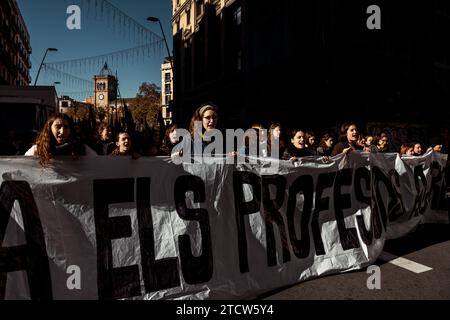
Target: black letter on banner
x,y
363,174
418,173
158,274
302,184
437,187
195,269
32,256
271,215
349,237
396,207
113,283
380,212
420,203
325,180
244,208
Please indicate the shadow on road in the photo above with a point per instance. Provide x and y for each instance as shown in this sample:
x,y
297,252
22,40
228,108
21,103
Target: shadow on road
x,y
424,236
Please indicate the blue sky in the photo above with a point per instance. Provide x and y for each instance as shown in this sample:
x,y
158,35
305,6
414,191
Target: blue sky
x,y
46,23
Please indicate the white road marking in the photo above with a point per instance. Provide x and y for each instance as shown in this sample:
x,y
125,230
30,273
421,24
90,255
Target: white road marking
x,y
404,263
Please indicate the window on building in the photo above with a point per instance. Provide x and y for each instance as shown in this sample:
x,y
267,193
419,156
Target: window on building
x,y
188,17
167,88
233,40
199,7
167,77
237,16
168,98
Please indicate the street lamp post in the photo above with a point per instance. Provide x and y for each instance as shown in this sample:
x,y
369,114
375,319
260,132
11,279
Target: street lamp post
x,y
155,19
42,63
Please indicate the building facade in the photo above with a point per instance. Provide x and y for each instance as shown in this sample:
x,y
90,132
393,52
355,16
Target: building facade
x,y
15,46
310,64
77,110
166,91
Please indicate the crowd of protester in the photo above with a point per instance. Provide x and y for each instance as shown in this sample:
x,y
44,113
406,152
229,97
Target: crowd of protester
x,y
60,136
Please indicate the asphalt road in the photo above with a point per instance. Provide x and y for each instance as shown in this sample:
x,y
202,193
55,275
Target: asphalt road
x,y
411,279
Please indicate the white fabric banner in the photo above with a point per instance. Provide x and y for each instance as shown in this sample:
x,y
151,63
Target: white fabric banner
x,y
114,227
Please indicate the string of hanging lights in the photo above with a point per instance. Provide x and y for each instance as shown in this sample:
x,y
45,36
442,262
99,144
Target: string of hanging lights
x,y
119,21
66,78
115,59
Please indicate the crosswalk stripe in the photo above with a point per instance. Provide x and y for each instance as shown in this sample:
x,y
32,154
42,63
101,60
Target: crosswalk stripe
x,y
404,263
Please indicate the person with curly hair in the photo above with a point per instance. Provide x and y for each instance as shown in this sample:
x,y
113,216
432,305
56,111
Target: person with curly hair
x,y
57,138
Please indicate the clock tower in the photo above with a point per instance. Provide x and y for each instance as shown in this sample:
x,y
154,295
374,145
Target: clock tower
x,y
105,88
